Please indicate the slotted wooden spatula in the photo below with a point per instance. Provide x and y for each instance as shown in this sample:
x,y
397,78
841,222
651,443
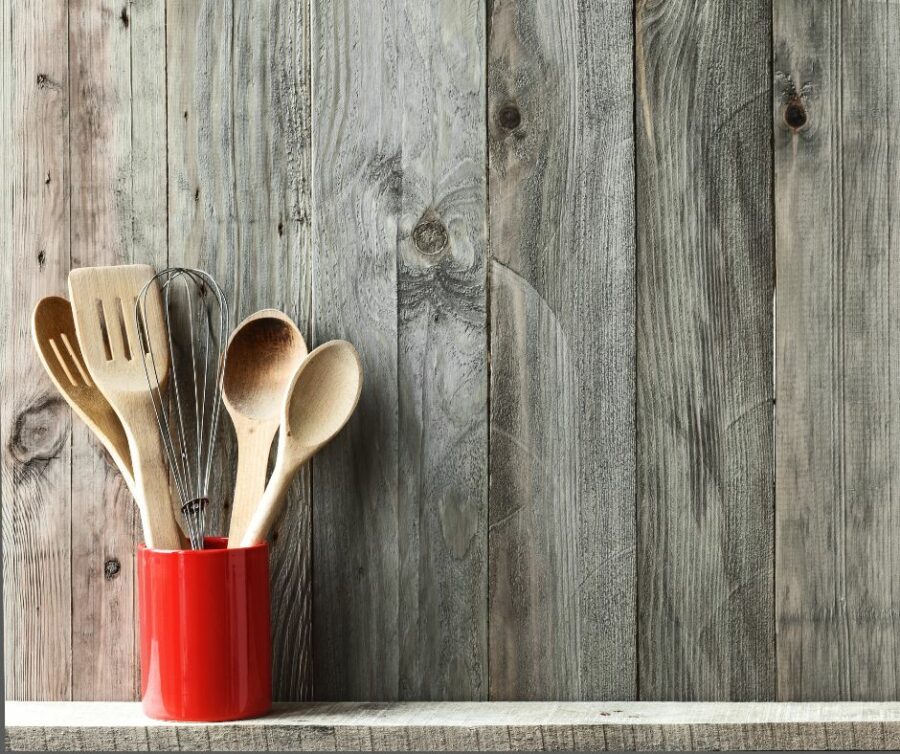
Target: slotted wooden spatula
x,y
103,302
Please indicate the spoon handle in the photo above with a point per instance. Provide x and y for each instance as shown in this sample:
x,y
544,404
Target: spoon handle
x,y
270,505
250,482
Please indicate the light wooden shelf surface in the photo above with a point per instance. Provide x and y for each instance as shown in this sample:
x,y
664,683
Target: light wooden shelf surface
x,y
484,726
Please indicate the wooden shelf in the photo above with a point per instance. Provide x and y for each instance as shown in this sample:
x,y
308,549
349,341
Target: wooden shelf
x,y
486,726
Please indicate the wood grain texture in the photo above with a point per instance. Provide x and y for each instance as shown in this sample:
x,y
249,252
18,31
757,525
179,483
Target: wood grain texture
x,y
117,139
704,353
562,522
616,726
34,421
238,98
836,102
400,495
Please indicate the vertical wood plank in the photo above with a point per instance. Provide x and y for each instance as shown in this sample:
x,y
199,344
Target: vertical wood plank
x,y
809,365
356,169
399,269
238,131
35,421
836,103
442,353
562,516
118,211
704,350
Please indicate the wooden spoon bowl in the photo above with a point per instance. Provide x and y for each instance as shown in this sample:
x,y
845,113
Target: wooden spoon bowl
x,y
263,353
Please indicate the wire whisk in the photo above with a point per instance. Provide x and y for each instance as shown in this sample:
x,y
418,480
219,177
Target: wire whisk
x,y
187,395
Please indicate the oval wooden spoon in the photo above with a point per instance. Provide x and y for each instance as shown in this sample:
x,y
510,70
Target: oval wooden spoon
x,y
53,331
318,403
262,356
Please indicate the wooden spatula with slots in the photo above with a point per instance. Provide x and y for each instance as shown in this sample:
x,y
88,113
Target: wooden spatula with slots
x,y
53,330
103,302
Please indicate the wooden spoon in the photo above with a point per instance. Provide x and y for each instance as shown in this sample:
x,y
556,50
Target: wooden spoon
x,y
53,330
263,354
319,401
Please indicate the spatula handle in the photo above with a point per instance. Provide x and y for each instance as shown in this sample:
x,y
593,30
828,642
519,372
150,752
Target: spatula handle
x,y
154,497
270,505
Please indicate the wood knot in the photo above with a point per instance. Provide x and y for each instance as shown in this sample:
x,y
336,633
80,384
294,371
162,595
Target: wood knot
x,y
509,117
40,431
430,236
42,258
111,569
795,114
123,17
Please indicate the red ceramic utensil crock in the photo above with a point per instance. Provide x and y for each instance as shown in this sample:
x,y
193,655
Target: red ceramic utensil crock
x,y
205,642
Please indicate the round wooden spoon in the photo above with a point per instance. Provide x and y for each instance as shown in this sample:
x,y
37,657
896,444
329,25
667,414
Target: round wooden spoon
x,y
263,354
318,403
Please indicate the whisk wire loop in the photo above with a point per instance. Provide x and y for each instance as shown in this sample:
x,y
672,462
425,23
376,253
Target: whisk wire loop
x,y
196,321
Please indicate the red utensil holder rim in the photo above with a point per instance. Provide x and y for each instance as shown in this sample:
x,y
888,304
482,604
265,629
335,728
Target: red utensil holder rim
x,y
206,551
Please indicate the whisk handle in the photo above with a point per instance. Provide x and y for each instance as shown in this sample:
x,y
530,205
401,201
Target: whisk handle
x,y
270,505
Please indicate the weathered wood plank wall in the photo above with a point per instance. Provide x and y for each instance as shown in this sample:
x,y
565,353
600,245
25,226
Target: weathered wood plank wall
x,y
400,571
704,350
836,101
562,516
553,233
36,423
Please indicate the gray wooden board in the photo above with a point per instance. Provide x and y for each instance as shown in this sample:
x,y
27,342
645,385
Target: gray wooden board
x,y
562,517
836,104
118,216
239,208
399,269
35,422
492,726
704,351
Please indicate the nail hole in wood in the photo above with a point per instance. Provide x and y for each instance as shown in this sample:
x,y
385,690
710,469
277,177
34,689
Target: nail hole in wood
x,y
795,114
111,569
509,117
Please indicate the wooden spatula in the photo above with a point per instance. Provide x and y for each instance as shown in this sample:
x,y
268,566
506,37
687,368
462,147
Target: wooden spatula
x,y
319,400
53,330
103,302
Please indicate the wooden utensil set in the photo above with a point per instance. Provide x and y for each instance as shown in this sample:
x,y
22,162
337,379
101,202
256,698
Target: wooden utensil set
x,y
140,359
